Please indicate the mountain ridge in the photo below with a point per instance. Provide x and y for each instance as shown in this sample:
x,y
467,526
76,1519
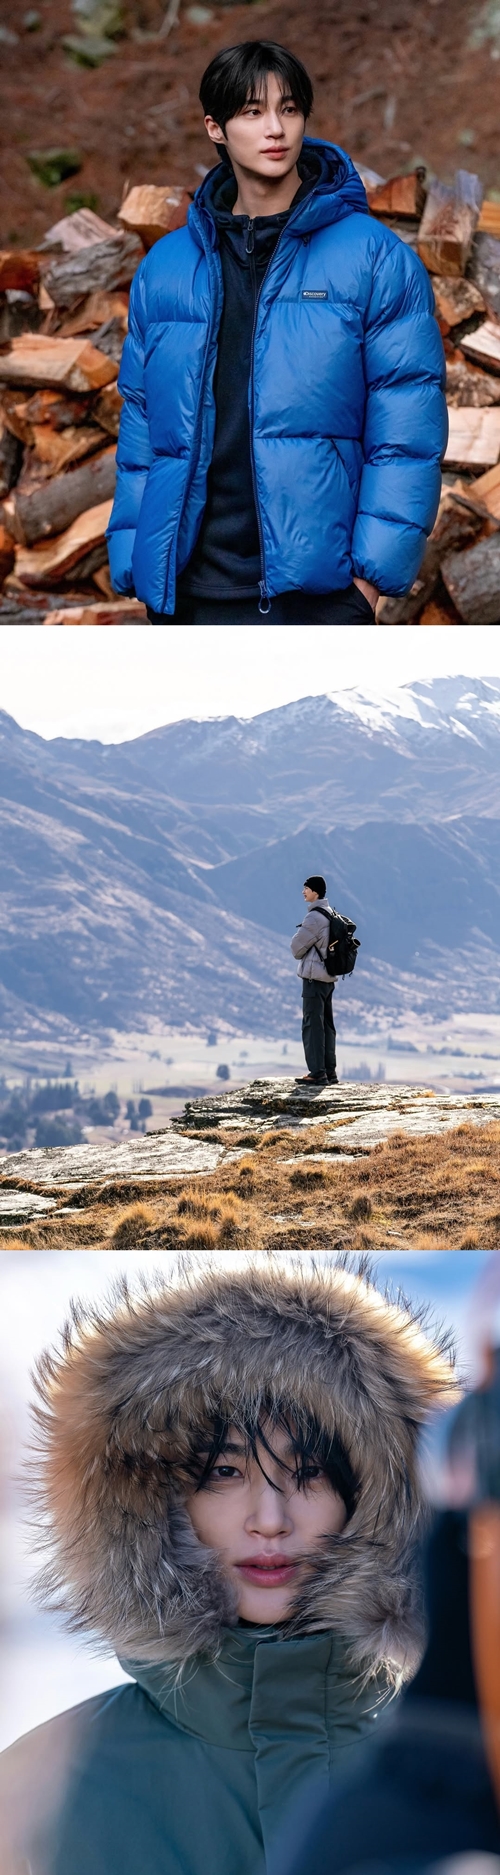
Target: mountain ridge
x,y
163,873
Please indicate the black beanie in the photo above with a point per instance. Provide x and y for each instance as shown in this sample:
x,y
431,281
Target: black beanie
x,y
317,884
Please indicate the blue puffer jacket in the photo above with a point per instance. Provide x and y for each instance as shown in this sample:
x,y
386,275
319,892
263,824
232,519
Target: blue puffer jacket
x,y
348,417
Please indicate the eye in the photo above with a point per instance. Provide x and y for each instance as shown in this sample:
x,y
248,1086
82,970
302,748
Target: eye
x,y
225,1471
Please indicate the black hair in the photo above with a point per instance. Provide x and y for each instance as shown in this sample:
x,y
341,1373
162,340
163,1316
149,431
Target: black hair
x,y
310,1445
240,72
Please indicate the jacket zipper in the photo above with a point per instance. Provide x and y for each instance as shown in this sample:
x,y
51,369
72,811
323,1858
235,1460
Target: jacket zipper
x,y
201,393
264,601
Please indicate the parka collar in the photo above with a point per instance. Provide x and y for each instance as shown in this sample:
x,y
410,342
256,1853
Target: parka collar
x,y
338,191
261,1684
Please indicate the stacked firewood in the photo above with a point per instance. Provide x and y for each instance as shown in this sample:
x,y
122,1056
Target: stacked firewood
x,y
63,319
458,238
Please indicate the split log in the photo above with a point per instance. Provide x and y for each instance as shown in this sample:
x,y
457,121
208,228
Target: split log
x,y
73,363
489,219
105,267
96,311
120,612
108,409
473,581
487,491
466,386
474,439
82,229
449,223
10,457
56,450
51,508
456,526
24,412
456,300
19,272
401,196
483,346
484,269
47,565
151,212
7,554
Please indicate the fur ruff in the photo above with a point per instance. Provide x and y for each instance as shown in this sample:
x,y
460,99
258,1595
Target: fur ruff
x,y
120,1403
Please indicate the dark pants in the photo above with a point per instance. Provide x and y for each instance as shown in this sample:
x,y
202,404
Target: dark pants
x,y
288,608
318,1028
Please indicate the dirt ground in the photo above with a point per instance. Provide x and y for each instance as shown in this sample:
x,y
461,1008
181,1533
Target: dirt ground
x,y
395,82
437,1193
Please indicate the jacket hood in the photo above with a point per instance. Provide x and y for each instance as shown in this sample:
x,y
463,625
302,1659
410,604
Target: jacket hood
x,y
335,190
136,1382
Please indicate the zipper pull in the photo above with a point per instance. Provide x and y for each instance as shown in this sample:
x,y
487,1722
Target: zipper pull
x,y
250,237
264,595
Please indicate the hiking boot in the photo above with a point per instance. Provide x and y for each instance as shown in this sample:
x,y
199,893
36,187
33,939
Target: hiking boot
x,y
310,1080
333,1080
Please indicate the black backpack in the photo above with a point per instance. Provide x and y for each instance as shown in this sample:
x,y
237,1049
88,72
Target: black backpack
x,y
342,948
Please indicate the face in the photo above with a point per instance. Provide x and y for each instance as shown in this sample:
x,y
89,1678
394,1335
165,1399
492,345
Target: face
x,y
265,138
266,1538
309,894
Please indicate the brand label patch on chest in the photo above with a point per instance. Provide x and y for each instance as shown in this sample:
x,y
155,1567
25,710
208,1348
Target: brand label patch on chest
x,y
314,292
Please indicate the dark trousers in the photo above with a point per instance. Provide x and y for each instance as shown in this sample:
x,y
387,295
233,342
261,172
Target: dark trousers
x,y
318,1028
287,608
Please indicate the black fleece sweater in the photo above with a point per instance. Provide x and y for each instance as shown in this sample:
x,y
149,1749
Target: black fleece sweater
x,y
226,563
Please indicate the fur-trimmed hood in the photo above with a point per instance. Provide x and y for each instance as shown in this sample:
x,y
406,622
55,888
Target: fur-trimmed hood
x,y
119,1405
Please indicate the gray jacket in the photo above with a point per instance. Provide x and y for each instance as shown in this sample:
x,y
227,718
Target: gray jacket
x,y
310,939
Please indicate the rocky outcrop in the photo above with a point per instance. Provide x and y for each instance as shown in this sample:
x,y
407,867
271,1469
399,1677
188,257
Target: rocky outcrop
x,y
362,1113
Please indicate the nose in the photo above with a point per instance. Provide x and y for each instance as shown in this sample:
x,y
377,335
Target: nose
x,y
274,126
269,1515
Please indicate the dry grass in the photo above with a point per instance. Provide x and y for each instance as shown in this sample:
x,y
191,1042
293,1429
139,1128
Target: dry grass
x,y
435,1193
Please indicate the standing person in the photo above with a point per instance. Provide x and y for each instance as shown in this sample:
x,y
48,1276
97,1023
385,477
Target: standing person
x,y
284,417
310,944
231,1502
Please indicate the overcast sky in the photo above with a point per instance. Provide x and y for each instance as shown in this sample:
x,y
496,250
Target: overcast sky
x,y
120,681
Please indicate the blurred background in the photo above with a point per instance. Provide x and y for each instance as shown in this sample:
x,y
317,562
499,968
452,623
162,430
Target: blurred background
x,y
99,94
44,1670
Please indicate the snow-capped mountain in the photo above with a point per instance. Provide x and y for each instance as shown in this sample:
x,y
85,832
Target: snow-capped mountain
x,y
164,874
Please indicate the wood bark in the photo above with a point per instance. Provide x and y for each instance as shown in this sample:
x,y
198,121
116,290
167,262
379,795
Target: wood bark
x,y
151,212
483,346
104,267
73,363
108,409
46,565
448,224
82,229
474,439
473,581
10,457
95,311
23,411
484,269
57,450
51,508
455,300
456,526
467,386
401,196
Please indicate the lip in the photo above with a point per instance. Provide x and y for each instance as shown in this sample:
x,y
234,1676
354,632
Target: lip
x,y
267,1571
275,152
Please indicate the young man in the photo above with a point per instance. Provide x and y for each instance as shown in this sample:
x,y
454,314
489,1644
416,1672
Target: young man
x,y
310,944
231,1500
283,377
